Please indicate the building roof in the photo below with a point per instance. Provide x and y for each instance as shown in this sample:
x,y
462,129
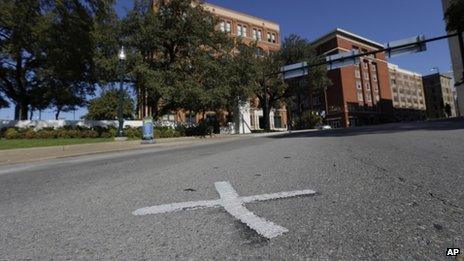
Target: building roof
x,y
398,69
269,23
436,74
339,31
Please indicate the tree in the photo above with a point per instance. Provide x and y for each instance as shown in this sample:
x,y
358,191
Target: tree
x,y
296,49
105,107
269,87
46,50
176,55
3,103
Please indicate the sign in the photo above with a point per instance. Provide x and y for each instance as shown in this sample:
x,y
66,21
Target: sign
x,y
295,70
148,134
234,205
343,59
406,46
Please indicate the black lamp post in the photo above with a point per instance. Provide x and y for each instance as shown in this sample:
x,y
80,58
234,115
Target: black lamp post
x,y
122,58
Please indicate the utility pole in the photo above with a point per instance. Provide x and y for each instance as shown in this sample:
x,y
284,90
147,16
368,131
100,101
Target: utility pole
x,y
122,57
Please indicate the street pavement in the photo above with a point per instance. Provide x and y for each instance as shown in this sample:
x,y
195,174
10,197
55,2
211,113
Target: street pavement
x,y
391,192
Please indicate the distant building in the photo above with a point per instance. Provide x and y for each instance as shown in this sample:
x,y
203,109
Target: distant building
x,y
360,94
458,67
408,94
439,96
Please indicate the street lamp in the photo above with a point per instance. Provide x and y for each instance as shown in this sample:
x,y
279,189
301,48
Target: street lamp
x,y
435,69
122,58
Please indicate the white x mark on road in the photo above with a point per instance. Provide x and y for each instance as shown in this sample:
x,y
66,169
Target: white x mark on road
x,y
232,203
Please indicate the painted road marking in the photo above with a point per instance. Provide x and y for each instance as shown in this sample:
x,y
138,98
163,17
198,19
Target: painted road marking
x,y
233,204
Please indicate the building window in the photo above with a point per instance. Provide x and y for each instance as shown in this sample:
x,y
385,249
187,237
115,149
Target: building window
x,y
368,97
228,27
366,75
255,33
368,86
269,37
377,98
244,31
222,26
376,87
374,78
358,85
365,65
273,38
260,35
239,30
374,67
357,73
360,97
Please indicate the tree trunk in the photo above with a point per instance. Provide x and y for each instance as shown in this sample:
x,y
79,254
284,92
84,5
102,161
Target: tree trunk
x,y
57,114
16,113
23,112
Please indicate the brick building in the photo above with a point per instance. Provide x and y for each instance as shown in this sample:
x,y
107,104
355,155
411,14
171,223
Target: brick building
x,y
360,94
439,95
250,29
408,94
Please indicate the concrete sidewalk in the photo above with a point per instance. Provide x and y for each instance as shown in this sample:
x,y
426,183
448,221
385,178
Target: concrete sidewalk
x,y
45,153
16,156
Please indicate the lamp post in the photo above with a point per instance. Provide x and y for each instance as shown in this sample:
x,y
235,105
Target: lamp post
x,y
122,58
435,69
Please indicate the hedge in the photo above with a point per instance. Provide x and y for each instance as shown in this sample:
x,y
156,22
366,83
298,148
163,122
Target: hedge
x,y
98,132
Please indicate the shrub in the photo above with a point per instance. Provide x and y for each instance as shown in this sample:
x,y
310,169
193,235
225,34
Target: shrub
x,y
308,120
30,134
12,133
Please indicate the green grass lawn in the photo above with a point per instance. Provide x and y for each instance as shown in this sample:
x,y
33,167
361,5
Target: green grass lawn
x,y
18,144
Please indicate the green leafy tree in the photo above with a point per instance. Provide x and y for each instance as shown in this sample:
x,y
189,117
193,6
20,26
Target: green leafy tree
x,y
46,50
105,107
3,103
176,55
269,86
301,90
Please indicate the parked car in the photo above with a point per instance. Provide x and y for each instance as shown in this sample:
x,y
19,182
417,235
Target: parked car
x,y
325,127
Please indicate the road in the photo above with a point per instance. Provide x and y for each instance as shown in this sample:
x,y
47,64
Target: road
x,y
383,193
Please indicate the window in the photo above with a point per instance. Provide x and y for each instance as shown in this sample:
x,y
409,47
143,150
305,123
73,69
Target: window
x,y
360,97
239,30
255,33
366,75
260,35
228,27
374,78
365,65
273,38
358,85
368,97
269,37
368,86
244,31
374,67
357,73
222,26
376,87
377,98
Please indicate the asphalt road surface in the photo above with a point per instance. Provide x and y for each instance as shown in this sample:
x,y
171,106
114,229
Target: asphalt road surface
x,y
383,193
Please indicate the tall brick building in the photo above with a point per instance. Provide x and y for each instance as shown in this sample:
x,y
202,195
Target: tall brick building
x,y
360,94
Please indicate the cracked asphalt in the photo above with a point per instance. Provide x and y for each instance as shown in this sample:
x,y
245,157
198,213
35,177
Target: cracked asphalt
x,y
391,192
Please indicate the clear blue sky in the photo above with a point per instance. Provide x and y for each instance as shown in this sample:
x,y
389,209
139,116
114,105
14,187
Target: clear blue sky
x,y
379,20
